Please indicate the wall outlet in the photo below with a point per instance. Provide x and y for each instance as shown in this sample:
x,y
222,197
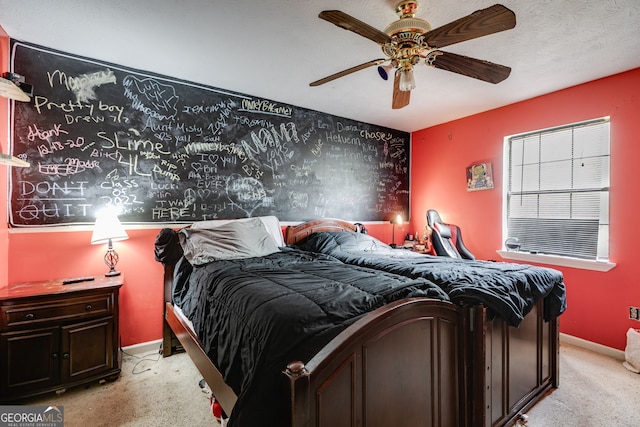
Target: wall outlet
x,y
634,313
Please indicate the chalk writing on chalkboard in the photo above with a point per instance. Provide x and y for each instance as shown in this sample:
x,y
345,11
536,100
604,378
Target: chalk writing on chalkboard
x,y
164,150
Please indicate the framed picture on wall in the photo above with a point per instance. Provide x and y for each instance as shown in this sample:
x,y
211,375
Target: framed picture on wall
x,y
479,177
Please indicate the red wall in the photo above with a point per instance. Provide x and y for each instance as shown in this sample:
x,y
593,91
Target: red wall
x,y
4,143
598,303
49,255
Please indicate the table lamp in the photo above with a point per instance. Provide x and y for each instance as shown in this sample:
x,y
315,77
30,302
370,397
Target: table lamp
x,y
394,221
108,229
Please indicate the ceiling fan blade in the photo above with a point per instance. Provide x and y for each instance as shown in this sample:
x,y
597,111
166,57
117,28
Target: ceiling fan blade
x,y
347,71
470,67
350,23
400,97
480,23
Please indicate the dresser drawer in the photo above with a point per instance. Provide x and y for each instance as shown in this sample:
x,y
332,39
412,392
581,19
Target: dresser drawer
x,y
57,310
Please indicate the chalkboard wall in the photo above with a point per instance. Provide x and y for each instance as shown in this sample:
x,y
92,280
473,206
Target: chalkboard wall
x,y
165,150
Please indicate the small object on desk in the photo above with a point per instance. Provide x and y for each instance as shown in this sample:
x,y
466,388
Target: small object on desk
x,y
77,280
512,244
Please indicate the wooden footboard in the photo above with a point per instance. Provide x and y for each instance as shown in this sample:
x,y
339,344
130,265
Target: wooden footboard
x,y
402,364
511,368
508,369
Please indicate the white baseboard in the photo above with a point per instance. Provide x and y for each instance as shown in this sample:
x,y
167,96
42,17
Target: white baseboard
x,y
143,347
592,346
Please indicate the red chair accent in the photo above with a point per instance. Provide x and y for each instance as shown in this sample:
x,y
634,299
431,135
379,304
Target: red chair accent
x,y
446,239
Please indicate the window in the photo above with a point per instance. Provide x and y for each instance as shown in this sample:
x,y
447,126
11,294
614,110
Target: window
x,y
557,190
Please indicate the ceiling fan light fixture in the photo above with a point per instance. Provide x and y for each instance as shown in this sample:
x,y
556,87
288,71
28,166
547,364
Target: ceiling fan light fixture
x,y
383,73
407,81
384,70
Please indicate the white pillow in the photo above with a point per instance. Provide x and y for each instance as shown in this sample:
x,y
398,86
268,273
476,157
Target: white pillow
x,y
232,240
271,223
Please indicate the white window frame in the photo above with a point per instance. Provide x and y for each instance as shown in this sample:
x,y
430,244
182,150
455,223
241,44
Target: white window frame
x,y
600,264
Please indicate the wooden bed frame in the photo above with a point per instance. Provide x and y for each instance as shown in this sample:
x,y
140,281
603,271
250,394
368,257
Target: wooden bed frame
x,y
418,359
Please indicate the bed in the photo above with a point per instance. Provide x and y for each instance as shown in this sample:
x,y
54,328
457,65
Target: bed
x,y
416,357
290,337
512,310
510,290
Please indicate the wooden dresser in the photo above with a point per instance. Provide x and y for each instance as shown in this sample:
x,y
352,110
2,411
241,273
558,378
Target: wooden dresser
x,y
54,335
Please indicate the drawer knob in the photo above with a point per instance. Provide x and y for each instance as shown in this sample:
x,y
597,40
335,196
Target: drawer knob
x,y
65,356
54,355
29,316
89,307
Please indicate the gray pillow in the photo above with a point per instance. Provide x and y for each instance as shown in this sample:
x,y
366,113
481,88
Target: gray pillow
x,y
236,239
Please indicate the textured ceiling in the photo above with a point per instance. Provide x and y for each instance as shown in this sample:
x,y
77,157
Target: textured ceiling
x,y
274,48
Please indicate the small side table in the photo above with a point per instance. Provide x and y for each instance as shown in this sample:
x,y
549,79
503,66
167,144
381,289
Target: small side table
x,y
54,335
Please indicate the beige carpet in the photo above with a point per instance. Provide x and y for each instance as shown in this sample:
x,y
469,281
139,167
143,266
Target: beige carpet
x,y
150,392
595,391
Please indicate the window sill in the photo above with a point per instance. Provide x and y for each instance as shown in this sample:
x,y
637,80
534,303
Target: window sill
x,y
557,260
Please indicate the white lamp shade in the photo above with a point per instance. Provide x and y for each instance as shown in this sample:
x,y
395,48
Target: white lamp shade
x,y
407,81
396,220
107,227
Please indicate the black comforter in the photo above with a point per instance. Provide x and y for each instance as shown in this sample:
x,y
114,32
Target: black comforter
x,y
255,315
510,290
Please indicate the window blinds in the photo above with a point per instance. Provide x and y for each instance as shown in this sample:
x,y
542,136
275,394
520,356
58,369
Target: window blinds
x,y
558,190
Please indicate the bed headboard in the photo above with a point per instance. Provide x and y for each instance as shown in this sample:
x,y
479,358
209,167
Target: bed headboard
x,y
296,233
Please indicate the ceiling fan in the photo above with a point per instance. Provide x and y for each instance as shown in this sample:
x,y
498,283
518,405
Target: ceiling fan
x,y
409,40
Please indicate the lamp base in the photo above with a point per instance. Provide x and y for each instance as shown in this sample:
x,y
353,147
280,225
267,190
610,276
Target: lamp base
x,y
111,259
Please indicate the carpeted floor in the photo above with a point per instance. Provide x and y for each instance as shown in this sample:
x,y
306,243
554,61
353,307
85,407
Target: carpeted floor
x,y
595,391
151,392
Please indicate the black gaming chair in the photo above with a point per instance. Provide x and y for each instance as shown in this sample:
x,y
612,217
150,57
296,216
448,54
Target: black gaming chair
x,y
446,239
